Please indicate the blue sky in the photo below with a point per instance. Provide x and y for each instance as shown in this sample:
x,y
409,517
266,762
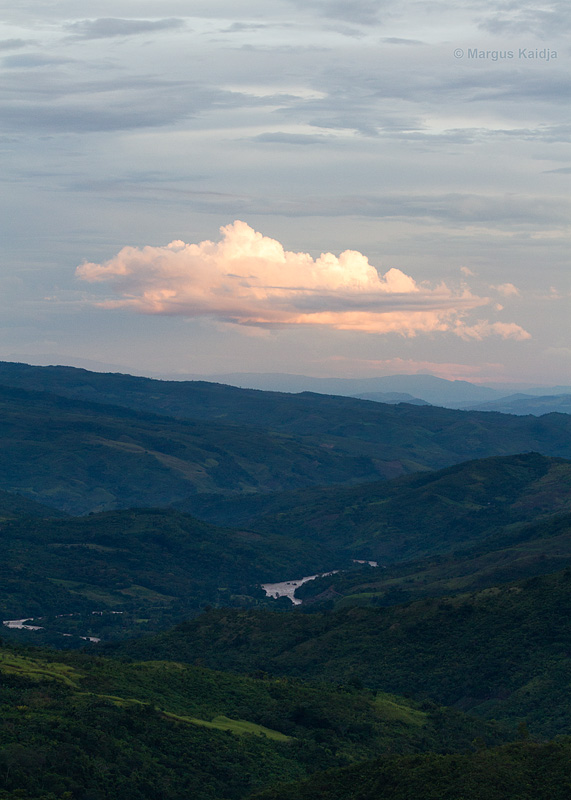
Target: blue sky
x,y
351,189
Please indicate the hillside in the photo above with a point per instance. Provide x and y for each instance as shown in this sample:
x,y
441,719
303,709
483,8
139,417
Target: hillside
x,y
524,771
152,565
515,552
81,457
14,506
527,404
101,729
80,382
391,440
463,528
414,516
502,653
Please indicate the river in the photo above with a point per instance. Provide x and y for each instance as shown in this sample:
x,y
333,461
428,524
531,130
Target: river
x,y
287,588
21,625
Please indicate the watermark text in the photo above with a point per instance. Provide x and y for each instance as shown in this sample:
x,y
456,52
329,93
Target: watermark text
x,y
544,54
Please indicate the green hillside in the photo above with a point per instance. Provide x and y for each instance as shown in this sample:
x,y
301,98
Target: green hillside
x,y
102,729
83,457
239,440
14,506
417,515
503,653
156,564
456,530
514,552
524,771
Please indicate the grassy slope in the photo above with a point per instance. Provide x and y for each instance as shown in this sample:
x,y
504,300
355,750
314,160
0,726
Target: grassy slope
x,y
344,439
515,552
81,456
168,563
14,506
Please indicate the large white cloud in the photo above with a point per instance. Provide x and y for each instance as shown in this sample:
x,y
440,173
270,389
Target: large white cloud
x,y
250,279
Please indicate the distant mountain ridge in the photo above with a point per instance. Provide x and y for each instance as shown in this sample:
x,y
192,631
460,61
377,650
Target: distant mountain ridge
x,y
437,391
526,404
92,441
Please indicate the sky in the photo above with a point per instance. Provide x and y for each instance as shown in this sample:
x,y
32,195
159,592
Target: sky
x,y
308,186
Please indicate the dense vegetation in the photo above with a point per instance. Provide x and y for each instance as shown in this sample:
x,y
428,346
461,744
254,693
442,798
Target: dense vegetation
x,y
155,565
512,552
417,515
402,682
524,771
503,653
101,729
225,440
82,457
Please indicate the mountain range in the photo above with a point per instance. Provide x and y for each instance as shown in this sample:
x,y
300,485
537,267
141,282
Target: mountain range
x,y
139,519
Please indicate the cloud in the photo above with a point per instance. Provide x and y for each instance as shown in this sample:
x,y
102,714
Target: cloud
x,y
14,44
467,271
539,19
244,27
249,279
483,328
360,12
107,27
507,289
292,138
32,60
396,40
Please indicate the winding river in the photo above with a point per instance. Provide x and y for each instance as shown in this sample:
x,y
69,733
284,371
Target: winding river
x,y
287,588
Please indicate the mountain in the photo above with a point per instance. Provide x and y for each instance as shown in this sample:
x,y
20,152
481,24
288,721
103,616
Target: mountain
x,y
81,457
392,397
463,528
414,516
511,553
437,391
14,506
100,574
526,404
225,440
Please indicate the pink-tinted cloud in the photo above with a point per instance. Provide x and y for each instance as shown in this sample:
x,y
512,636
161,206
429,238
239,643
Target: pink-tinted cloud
x,y
507,289
249,279
481,329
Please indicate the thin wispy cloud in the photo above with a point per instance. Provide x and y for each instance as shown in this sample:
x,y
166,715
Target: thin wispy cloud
x,y
107,27
250,279
14,44
360,12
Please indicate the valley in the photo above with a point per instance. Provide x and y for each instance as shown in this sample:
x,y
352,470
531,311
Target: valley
x,y
146,530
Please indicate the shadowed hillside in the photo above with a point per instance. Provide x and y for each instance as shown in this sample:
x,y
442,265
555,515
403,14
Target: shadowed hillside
x,y
503,653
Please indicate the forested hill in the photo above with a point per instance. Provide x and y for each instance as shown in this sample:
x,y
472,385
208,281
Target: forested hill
x,y
523,771
433,435
413,516
502,653
81,455
78,726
